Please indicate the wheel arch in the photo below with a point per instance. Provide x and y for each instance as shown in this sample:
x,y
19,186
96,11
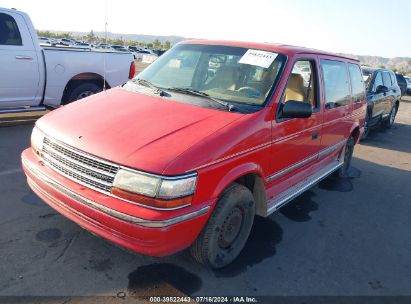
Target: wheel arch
x,y
82,78
355,131
251,176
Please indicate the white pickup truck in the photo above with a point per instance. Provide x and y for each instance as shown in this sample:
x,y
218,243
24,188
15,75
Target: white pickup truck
x,y
34,77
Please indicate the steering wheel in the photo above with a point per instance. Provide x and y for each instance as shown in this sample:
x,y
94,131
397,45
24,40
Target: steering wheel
x,y
250,91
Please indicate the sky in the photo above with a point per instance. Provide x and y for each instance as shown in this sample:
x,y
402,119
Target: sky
x,y
361,27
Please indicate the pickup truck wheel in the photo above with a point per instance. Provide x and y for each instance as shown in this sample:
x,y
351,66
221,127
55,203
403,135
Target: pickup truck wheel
x,y
227,229
83,90
347,156
390,121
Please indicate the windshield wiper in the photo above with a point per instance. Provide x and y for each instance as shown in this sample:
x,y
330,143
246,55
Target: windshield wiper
x,y
227,105
147,83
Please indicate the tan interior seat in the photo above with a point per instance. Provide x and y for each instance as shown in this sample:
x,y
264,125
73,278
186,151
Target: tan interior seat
x,y
225,78
295,88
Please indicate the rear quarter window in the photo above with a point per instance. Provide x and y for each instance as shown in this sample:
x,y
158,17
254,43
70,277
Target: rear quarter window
x,y
357,83
336,83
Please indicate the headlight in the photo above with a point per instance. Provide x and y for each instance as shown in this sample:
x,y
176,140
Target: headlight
x,y
155,191
136,183
177,188
37,140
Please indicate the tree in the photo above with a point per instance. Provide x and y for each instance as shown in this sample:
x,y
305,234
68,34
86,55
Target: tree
x,y
91,37
65,35
116,41
166,45
156,44
381,66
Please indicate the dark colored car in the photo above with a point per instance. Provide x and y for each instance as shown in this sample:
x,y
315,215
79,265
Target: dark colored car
x,y
383,97
159,52
402,83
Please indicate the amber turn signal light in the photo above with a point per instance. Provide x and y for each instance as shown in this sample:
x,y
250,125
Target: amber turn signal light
x,y
152,202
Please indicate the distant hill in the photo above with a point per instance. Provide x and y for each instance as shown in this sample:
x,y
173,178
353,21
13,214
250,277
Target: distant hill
x,y
402,64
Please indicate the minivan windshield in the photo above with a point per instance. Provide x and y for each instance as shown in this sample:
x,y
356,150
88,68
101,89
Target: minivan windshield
x,y
234,75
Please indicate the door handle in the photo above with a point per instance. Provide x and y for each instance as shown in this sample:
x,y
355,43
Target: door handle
x,y
315,135
20,57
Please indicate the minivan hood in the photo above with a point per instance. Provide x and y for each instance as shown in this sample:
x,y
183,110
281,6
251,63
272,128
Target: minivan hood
x,y
132,129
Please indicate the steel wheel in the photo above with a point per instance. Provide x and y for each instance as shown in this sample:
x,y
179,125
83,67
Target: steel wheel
x,y
85,94
231,228
227,229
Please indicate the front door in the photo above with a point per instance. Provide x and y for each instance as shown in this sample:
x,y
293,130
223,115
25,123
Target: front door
x,y
378,99
19,66
296,141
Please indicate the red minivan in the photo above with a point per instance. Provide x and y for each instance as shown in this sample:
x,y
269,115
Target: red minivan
x,y
188,152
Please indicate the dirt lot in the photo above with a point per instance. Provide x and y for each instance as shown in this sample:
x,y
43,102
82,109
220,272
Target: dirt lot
x,y
347,237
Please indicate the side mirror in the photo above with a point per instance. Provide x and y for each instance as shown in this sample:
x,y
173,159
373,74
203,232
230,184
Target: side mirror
x,y
381,89
296,109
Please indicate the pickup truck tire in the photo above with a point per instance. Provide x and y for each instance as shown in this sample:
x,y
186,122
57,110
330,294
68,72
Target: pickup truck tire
x,y
391,118
83,90
347,156
227,229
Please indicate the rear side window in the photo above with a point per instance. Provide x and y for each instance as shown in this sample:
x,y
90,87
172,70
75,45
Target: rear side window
x,y
386,79
9,31
336,83
357,83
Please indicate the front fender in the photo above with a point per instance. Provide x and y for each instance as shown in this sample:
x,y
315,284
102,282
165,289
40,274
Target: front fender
x,y
234,174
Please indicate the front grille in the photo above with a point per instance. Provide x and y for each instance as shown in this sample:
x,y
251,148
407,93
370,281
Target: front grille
x,y
79,166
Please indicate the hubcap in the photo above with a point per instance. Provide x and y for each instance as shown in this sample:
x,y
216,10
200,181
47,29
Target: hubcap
x,y
231,228
85,94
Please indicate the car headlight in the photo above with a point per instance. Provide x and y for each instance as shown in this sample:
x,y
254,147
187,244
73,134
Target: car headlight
x,y
37,140
136,183
177,188
154,191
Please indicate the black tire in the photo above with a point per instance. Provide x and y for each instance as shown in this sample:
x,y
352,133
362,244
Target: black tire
x,y
83,90
227,229
389,122
347,156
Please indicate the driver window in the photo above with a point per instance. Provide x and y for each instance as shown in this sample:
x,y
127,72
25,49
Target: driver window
x,y
302,84
180,70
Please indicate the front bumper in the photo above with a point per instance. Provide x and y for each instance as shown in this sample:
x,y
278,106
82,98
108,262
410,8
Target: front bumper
x,y
158,233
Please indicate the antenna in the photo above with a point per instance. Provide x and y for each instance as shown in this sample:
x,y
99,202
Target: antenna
x,y
105,50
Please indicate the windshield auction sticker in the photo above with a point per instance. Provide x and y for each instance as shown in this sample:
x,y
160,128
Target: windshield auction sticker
x,y
259,58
